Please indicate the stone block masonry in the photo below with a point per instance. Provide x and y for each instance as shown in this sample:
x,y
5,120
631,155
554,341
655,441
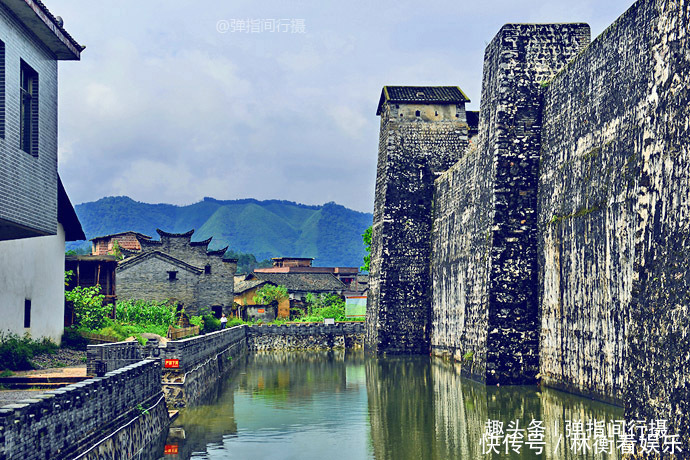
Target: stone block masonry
x,y
559,239
484,262
614,218
416,144
113,355
66,422
201,362
308,336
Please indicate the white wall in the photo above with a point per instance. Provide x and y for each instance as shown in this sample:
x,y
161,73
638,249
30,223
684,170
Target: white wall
x,y
33,268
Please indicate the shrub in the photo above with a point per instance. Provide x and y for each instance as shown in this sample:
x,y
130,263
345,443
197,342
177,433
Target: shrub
x,y
270,293
234,322
16,352
72,339
210,324
89,311
323,306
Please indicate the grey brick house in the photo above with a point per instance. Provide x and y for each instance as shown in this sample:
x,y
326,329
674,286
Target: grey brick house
x,y
33,202
179,269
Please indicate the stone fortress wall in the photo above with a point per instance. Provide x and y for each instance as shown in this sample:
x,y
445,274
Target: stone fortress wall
x,y
559,239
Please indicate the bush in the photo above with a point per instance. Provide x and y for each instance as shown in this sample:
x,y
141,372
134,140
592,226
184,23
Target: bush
x,y
210,324
270,293
235,322
89,311
16,352
72,339
323,306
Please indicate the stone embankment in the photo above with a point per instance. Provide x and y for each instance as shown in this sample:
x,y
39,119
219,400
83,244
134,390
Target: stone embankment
x,y
306,336
113,416
119,413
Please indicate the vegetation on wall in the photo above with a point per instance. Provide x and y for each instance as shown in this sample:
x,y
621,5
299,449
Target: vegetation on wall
x,y
366,238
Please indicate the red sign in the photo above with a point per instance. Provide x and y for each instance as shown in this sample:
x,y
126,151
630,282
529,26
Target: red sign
x,y
170,449
172,363
260,310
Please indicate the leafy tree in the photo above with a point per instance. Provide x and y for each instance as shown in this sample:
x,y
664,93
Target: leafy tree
x,y
89,311
366,237
320,306
269,293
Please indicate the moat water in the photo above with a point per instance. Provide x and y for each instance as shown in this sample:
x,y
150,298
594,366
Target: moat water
x,y
333,406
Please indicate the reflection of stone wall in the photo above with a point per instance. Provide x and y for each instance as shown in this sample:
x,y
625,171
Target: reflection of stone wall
x,y
423,408
400,395
460,410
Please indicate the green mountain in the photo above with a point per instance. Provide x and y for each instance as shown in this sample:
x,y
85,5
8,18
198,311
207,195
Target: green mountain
x,y
331,234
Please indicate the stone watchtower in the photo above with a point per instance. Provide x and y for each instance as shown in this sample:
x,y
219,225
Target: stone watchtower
x,y
423,132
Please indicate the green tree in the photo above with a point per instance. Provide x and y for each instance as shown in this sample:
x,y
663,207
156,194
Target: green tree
x,y
89,311
366,237
269,293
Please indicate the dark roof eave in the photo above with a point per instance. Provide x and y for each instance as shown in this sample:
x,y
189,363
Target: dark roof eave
x,y
385,96
68,217
140,235
39,20
163,233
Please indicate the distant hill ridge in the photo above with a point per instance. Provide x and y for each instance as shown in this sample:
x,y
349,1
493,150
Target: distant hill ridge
x,y
330,233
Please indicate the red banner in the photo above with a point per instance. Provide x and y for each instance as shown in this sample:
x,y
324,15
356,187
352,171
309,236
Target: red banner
x,y
170,449
172,363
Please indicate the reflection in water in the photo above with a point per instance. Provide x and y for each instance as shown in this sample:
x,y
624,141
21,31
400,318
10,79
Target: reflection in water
x,y
308,405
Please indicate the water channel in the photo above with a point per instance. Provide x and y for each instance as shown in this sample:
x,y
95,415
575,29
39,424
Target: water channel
x,y
333,405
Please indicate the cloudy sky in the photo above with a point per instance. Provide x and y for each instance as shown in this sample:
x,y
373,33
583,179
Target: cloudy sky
x,y
174,100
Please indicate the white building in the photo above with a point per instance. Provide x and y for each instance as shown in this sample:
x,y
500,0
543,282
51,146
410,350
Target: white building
x,y
35,214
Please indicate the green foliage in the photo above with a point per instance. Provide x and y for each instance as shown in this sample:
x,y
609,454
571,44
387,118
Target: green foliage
x,y
264,229
210,324
141,410
89,311
469,356
72,339
246,263
116,251
322,306
145,312
366,237
234,322
269,293
16,352
123,331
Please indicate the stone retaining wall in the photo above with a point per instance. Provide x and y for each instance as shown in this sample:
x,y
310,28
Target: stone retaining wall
x,y
114,355
59,423
307,336
202,361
